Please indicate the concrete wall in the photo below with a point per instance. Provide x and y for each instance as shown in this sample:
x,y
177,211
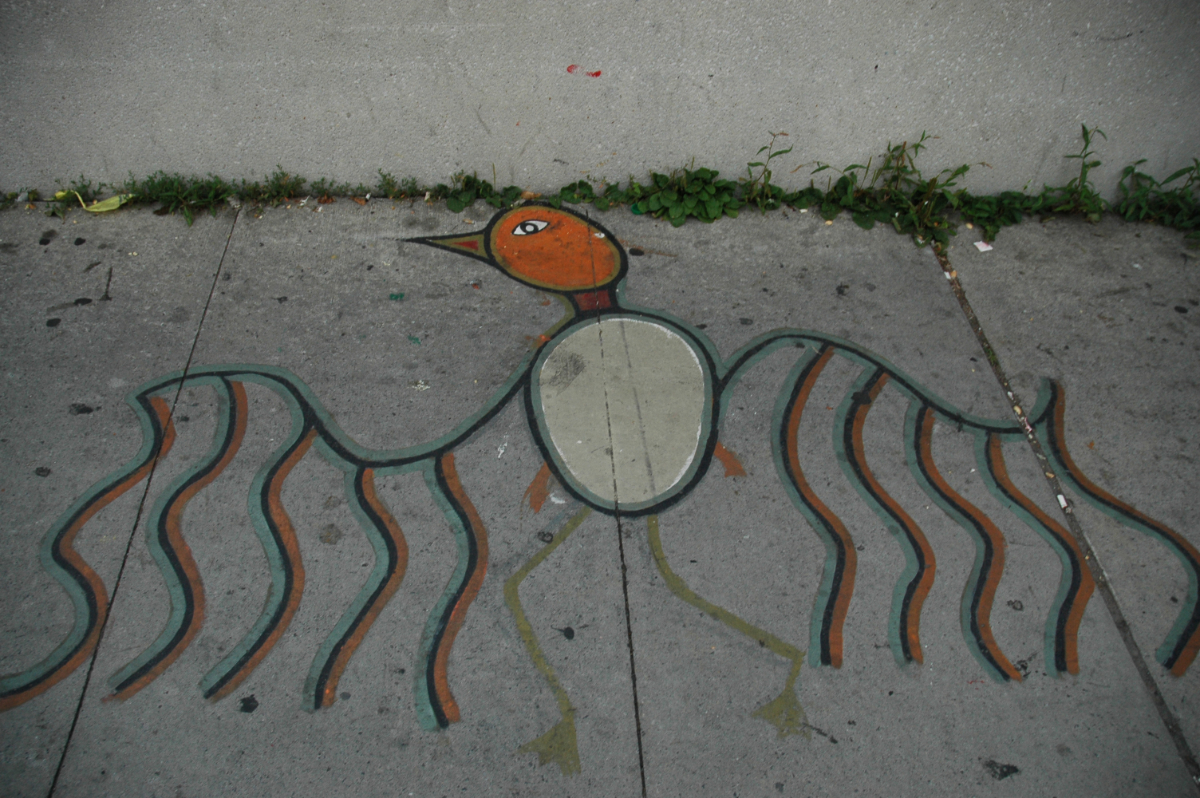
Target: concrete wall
x,y
341,89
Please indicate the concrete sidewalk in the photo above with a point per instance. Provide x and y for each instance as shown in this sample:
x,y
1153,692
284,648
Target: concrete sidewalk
x,y
336,547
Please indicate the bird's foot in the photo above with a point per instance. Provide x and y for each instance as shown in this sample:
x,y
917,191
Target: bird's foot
x,y
557,745
785,713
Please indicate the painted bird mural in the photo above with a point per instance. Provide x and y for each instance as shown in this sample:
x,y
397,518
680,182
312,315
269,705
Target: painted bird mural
x,y
626,405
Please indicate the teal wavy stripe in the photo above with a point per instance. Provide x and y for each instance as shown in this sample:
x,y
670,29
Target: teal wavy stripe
x,y
912,559
427,716
385,564
179,589
758,347
967,612
1187,622
1053,644
86,605
277,560
820,526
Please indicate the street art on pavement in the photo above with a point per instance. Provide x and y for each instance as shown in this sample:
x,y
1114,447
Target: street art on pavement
x,y
625,405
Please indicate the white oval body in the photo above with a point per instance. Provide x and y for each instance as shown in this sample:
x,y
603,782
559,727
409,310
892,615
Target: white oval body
x,y
633,381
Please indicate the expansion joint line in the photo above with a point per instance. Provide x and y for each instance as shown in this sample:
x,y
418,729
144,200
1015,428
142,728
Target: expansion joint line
x,y
1089,554
137,519
612,450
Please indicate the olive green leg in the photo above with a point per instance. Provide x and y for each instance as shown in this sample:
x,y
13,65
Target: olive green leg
x,y
558,744
783,712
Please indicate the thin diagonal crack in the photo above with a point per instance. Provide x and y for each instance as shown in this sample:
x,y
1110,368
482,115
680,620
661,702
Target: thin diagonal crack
x,y
1089,553
138,518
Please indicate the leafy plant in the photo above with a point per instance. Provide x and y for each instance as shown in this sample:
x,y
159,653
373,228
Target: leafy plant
x,y
758,190
894,192
1145,199
278,187
394,189
687,193
465,189
179,194
581,192
887,188
994,212
1079,195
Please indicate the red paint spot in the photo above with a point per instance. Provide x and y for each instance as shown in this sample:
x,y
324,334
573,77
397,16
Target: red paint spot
x,y
595,74
467,245
573,68
594,300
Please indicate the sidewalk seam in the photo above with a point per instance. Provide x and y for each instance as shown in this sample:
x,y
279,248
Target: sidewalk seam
x,y
1099,573
612,453
138,517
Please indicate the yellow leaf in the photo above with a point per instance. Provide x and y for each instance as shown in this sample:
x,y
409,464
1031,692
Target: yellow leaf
x,y
110,204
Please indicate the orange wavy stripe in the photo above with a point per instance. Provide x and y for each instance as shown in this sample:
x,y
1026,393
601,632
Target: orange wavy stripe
x,y
292,551
841,601
1192,647
183,552
459,613
163,412
539,490
351,643
912,621
733,466
1086,583
991,578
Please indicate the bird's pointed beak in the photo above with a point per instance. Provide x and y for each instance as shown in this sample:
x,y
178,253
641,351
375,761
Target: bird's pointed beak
x,y
472,245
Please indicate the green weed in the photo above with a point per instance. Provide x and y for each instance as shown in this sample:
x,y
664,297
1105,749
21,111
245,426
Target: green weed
x,y
1078,195
277,187
388,186
758,190
180,194
1144,199
610,196
65,199
893,192
687,193
465,189
889,188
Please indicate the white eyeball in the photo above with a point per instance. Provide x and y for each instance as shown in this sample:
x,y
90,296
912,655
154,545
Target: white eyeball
x,y
529,227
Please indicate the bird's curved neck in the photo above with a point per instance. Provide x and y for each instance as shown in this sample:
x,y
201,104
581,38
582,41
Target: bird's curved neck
x,y
601,300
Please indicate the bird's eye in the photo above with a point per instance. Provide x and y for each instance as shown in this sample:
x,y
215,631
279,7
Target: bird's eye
x,y
529,227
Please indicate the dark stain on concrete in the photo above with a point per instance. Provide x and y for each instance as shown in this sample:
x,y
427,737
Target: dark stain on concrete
x,y
999,770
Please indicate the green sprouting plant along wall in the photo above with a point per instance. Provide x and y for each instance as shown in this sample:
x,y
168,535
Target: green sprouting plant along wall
x,y
895,192
687,193
1144,199
887,188
758,190
1079,195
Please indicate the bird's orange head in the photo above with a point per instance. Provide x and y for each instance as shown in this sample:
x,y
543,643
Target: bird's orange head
x,y
550,248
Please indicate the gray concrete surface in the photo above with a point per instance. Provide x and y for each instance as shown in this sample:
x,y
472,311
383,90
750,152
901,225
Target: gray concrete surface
x,y
428,89
401,343
1112,311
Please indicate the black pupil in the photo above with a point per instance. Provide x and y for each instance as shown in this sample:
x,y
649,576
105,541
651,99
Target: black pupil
x,y
528,228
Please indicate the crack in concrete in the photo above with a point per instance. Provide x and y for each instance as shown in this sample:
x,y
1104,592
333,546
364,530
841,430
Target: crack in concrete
x,y
612,452
1099,574
141,507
